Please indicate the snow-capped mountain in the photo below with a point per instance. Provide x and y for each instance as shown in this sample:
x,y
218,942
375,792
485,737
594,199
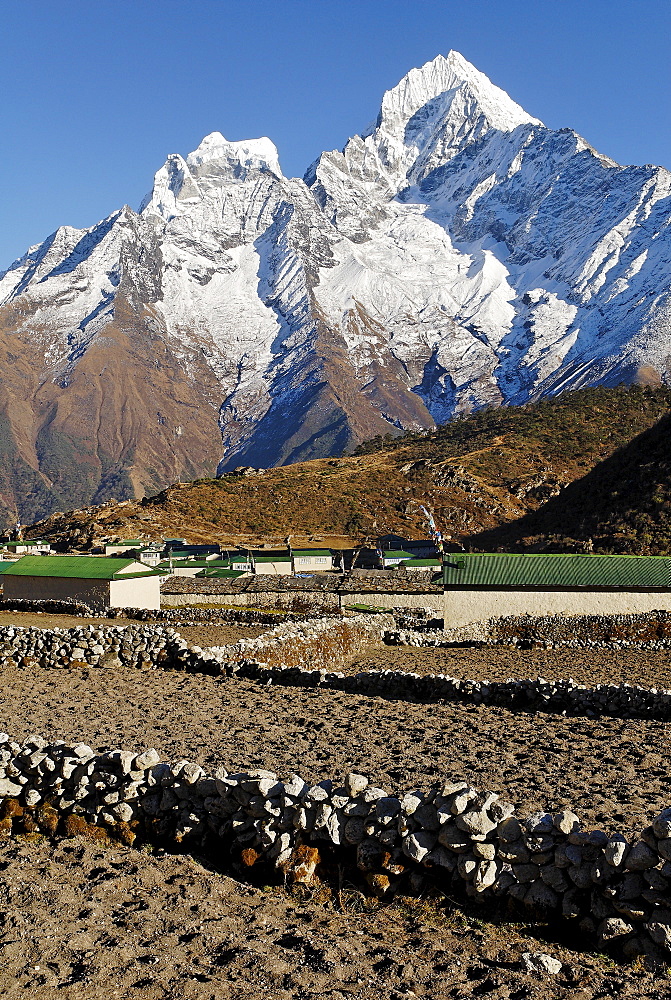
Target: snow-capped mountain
x,y
457,254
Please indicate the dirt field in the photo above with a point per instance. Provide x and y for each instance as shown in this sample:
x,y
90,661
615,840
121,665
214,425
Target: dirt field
x,y
86,922
498,663
113,922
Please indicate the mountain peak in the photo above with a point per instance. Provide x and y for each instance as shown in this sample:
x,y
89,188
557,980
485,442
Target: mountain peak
x,y
445,75
216,161
249,153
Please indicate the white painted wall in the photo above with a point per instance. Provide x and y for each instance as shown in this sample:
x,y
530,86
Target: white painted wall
x,y
279,568
313,564
140,592
462,607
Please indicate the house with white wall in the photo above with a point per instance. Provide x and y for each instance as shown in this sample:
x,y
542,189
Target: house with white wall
x,y
94,580
312,560
270,562
481,585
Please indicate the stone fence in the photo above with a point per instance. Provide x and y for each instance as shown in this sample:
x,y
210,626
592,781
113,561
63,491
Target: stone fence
x,y
650,630
613,887
315,644
303,654
141,646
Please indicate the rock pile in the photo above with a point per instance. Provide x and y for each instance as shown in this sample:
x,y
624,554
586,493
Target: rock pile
x,y
142,646
616,889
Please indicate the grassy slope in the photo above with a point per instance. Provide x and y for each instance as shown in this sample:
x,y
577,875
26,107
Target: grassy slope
x,y
478,472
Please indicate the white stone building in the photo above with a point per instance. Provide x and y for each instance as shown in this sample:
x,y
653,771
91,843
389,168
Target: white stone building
x,y
95,580
480,586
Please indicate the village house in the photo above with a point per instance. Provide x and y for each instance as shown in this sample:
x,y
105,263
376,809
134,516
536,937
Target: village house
x,y
197,567
241,561
94,580
27,547
432,563
271,562
480,586
393,557
125,545
312,560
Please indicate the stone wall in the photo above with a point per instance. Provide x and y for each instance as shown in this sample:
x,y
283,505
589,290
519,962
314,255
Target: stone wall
x,y
303,654
650,630
614,887
133,645
327,602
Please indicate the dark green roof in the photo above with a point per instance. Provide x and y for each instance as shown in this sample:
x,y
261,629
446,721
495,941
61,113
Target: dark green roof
x,y
505,570
396,554
74,567
433,561
4,564
301,553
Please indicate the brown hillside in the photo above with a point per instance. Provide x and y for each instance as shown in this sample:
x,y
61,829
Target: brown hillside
x,y
622,505
477,473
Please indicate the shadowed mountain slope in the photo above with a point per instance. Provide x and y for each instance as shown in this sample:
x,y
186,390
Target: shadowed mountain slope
x,y
622,505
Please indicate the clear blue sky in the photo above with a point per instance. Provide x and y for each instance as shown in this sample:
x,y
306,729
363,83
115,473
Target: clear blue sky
x,y
95,93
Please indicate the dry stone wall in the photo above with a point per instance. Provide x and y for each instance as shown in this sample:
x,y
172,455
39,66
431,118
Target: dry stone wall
x,y
617,889
303,654
651,630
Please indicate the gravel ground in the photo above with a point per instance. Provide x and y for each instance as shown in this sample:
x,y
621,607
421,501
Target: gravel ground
x,y
86,922
613,772
498,663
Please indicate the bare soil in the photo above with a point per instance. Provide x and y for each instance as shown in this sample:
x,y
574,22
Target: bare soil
x,y
86,922
107,921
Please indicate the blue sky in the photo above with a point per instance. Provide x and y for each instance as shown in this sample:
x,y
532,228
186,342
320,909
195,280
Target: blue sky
x,y
95,94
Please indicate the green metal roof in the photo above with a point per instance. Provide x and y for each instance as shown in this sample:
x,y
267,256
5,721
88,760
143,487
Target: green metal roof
x,y
423,562
505,570
4,564
396,554
74,567
303,553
